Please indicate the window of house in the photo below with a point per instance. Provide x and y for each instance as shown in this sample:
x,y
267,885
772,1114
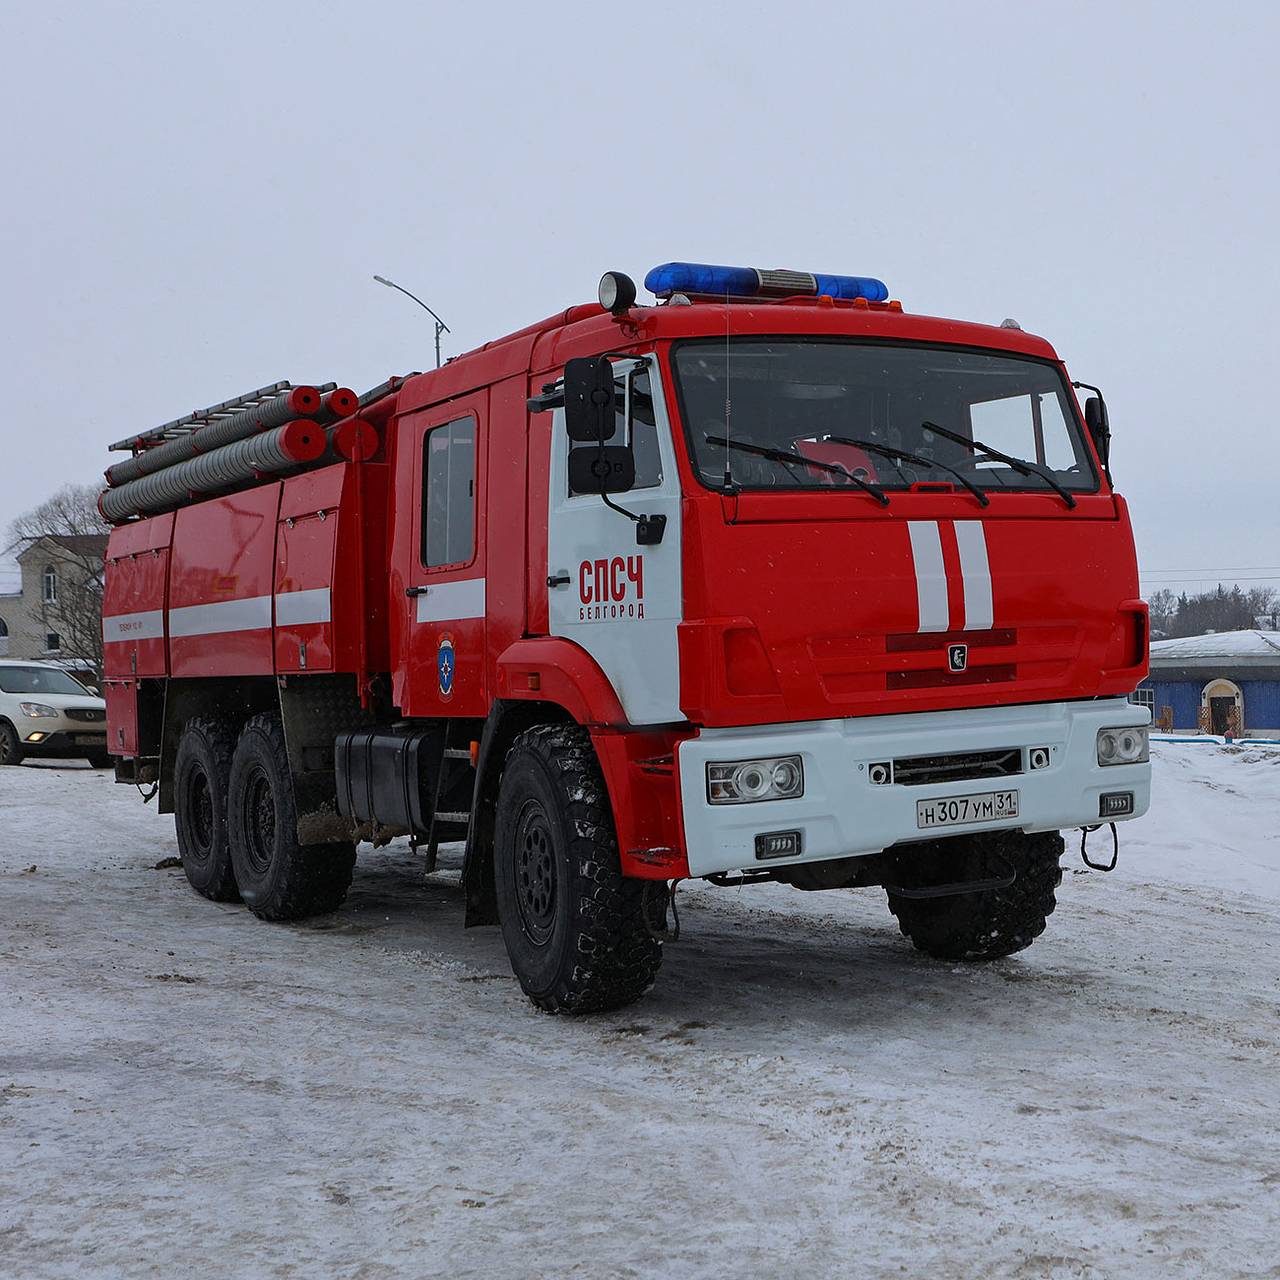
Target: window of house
x,y
4,637
52,642
449,493
50,583
1144,698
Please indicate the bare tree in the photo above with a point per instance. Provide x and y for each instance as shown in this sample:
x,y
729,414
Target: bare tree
x,y
70,521
1164,607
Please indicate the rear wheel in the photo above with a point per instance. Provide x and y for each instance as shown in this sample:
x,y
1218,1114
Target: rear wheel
x,y
989,923
279,879
201,773
578,932
10,747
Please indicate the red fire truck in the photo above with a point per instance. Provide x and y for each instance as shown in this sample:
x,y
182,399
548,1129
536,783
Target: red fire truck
x,y
771,580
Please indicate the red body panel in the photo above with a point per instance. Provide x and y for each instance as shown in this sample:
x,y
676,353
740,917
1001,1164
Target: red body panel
x,y
135,590
804,606
220,598
330,610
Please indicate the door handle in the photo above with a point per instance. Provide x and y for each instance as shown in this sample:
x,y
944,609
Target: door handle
x,y
560,579
416,591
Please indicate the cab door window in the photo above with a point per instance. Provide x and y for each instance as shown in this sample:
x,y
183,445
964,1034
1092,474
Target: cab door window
x,y
449,493
633,396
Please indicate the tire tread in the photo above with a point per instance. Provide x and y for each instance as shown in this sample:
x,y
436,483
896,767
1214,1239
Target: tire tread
x,y
618,952
990,924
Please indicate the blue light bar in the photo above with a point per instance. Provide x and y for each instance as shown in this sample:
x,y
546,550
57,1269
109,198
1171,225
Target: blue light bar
x,y
749,282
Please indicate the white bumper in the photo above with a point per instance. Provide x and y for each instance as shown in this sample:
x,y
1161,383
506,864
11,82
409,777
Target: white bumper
x,y
843,813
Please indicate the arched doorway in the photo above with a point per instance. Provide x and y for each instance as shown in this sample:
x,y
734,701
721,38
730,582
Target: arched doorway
x,y
1222,706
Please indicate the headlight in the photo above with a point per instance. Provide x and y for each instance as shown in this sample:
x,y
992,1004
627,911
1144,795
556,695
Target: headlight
x,y
748,781
36,710
1123,746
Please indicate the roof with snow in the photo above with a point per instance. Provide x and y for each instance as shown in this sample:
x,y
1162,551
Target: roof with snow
x,y
1219,649
92,545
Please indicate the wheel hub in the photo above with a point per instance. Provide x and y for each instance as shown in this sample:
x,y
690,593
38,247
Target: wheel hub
x,y
200,809
260,821
535,873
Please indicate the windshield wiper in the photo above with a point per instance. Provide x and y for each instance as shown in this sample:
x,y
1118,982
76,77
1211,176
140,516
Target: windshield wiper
x,y
791,455
904,455
1018,464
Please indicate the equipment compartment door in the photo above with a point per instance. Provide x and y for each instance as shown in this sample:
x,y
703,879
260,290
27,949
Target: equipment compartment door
x,y
440,559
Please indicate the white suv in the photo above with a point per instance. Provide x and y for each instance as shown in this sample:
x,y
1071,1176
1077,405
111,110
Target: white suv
x,y
44,711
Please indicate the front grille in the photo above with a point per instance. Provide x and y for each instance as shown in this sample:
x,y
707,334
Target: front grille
x,y
88,715
994,674
917,641
957,766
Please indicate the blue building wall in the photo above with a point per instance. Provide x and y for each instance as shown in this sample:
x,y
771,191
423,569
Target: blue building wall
x,y
1261,701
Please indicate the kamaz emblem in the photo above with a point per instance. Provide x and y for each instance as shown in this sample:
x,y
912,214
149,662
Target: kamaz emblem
x,y
957,656
446,664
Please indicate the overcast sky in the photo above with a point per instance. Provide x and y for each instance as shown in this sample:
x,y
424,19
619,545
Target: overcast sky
x,y
196,198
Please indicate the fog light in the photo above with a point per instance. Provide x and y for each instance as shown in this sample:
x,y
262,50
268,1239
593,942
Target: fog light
x,y
1123,746
37,736
778,844
1115,804
751,781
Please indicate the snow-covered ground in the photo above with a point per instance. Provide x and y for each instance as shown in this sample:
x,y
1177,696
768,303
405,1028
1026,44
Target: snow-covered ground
x,y
185,1091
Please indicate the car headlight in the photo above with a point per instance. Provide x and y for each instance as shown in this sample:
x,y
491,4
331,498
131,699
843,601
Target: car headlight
x,y
1123,746
749,781
36,710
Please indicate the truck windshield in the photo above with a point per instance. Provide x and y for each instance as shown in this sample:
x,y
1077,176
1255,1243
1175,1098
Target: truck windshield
x,y
861,407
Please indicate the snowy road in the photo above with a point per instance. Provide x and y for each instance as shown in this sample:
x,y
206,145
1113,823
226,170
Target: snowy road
x,y
185,1091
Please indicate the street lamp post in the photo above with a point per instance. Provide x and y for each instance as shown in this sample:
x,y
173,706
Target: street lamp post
x,y
441,327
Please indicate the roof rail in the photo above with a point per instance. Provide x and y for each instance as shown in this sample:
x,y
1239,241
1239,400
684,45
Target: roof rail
x,y
201,417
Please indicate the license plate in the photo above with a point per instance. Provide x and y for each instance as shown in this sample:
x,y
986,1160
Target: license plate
x,y
90,739
987,806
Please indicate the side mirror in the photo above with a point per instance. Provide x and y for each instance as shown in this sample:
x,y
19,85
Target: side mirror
x,y
589,410
1095,418
601,469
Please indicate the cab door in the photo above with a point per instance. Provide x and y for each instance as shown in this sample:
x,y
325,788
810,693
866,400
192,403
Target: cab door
x,y
442,560
618,600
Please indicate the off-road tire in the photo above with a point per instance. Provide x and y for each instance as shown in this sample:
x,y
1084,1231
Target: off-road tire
x,y
100,760
11,751
201,773
581,936
988,924
279,879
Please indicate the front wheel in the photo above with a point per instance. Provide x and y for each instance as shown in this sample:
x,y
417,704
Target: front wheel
x,y
10,747
579,934
989,923
279,879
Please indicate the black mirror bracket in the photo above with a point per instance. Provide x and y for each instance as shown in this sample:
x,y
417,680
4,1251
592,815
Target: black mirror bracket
x,y
1098,421
649,529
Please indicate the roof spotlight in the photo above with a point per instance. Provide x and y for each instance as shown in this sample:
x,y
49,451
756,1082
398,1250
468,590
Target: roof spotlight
x,y
617,292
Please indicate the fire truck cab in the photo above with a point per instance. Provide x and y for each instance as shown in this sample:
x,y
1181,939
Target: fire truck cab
x,y
769,581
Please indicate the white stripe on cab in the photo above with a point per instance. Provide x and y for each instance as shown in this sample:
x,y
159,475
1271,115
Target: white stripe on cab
x,y
971,538
931,575
452,601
